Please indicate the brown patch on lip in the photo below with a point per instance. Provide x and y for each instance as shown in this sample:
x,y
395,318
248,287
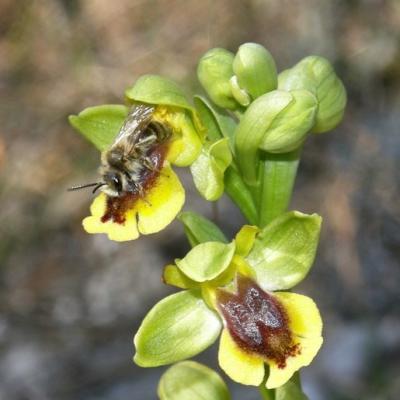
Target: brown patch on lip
x,y
116,207
257,322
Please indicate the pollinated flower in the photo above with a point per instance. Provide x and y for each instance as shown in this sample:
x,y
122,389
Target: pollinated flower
x,y
140,191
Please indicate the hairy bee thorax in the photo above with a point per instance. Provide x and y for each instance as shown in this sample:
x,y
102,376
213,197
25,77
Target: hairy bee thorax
x,y
130,167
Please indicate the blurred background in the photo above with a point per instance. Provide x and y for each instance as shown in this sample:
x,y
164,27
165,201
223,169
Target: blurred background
x,y
71,302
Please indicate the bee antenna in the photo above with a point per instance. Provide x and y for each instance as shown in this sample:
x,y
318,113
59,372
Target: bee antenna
x,y
99,185
79,187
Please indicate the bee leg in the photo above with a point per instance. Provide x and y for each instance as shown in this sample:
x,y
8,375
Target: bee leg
x,y
149,164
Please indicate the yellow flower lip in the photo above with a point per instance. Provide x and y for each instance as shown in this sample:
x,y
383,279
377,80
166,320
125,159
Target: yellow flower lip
x,y
257,322
123,218
282,329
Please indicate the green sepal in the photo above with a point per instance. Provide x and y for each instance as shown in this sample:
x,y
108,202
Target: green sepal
x,y
173,276
100,124
189,380
176,328
214,72
158,90
199,229
206,261
317,75
276,122
216,121
255,69
209,168
245,238
284,250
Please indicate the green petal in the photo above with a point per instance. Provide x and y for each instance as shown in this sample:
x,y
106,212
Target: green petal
x,y
209,168
189,380
178,327
100,124
173,276
206,261
245,239
285,249
199,229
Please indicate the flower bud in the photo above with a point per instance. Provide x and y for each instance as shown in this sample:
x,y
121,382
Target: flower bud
x,y
255,69
277,122
214,72
316,74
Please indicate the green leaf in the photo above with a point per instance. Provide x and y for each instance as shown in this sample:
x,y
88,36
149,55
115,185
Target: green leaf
x,y
178,327
189,380
317,75
285,249
100,124
209,168
255,69
199,229
207,260
289,391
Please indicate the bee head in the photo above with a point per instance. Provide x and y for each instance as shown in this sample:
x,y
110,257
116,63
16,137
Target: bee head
x,y
113,180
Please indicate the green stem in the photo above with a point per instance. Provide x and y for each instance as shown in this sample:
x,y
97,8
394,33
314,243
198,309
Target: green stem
x,y
240,195
266,394
276,184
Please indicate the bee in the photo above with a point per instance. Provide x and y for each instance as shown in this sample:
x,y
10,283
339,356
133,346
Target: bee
x,y
135,157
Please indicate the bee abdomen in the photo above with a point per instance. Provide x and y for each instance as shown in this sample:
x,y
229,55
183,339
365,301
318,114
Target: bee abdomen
x,y
161,131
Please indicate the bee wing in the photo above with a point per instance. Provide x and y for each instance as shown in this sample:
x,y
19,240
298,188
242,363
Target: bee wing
x,y
137,120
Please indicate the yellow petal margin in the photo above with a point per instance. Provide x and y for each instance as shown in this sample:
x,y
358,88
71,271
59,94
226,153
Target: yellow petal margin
x,y
306,326
159,207
240,366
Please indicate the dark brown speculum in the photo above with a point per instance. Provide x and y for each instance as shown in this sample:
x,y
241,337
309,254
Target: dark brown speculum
x,y
257,321
117,206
